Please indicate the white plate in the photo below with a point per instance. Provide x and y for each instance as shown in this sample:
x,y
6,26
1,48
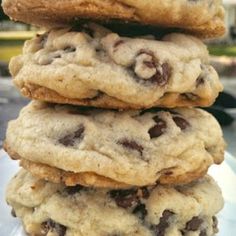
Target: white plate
x,y
224,174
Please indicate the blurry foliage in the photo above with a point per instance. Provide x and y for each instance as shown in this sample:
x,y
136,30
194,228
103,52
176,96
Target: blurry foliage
x,y
9,51
223,50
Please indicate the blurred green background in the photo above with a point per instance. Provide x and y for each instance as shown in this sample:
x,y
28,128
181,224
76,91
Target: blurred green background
x,y
12,37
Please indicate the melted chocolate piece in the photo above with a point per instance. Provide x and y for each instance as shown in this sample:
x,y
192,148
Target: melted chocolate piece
x,y
163,71
69,140
52,226
194,224
162,77
181,122
158,129
163,224
124,198
130,144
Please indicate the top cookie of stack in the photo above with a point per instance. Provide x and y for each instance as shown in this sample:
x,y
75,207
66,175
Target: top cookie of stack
x,y
205,17
92,66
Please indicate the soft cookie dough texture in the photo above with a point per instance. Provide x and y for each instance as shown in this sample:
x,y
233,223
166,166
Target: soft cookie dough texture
x,y
201,17
93,66
48,209
114,149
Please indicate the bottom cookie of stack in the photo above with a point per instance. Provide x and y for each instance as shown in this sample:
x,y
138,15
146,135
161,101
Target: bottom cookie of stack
x,y
56,210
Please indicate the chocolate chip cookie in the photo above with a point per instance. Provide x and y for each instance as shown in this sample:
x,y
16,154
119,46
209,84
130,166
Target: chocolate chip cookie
x,y
54,209
204,18
92,66
106,148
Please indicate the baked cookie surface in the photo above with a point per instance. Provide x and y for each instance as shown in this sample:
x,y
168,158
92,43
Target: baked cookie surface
x,y
114,148
53,209
204,18
92,66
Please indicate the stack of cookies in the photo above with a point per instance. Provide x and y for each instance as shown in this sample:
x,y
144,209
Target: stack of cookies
x,y
111,144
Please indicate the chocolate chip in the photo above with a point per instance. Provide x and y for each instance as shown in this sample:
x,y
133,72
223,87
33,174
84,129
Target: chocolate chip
x,y
160,73
125,202
124,198
158,129
181,122
163,224
69,140
71,190
130,144
52,226
140,210
69,49
13,213
162,76
194,224
117,43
